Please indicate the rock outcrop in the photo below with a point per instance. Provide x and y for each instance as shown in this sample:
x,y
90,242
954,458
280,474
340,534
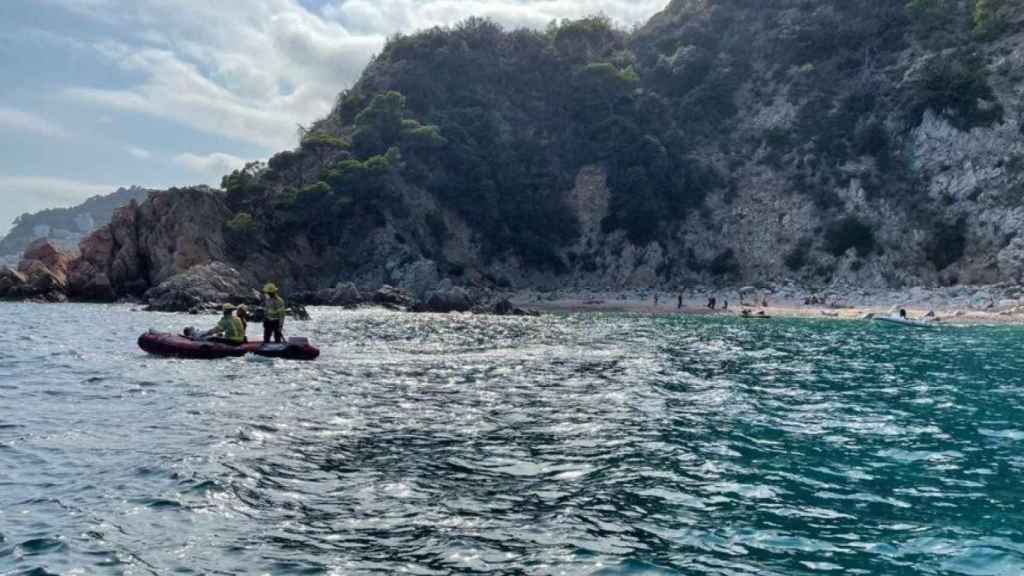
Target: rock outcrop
x,y
394,298
41,274
447,300
12,284
504,307
344,294
146,244
203,286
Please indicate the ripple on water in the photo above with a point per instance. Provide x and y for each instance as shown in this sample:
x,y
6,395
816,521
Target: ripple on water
x,y
599,444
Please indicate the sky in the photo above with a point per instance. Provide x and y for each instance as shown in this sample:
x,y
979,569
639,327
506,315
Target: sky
x,y
99,94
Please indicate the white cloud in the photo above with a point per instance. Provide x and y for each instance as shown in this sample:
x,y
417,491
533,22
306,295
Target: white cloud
x,y
23,194
139,153
212,165
251,70
14,119
389,16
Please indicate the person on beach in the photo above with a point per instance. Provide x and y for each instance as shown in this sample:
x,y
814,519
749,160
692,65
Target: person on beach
x,y
229,330
903,313
679,305
725,305
655,299
712,302
274,313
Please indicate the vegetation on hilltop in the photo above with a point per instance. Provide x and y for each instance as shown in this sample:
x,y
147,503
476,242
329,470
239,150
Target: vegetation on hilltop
x,y
92,213
494,125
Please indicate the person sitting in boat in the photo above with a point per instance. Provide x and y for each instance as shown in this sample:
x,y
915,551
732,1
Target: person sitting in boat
x,y
274,313
243,314
229,330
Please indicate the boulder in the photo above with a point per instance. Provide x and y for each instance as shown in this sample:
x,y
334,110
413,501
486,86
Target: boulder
x,y
392,297
343,294
92,287
419,278
455,299
42,282
200,287
505,308
51,257
346,294
12,283
41,275
981,300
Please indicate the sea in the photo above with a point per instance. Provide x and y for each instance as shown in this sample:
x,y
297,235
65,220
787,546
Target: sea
x,y
563,444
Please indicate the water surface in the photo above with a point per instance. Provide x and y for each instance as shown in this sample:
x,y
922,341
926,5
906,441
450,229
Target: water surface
x,y
600,444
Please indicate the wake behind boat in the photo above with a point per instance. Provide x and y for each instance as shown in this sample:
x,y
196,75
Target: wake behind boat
x,y
176,346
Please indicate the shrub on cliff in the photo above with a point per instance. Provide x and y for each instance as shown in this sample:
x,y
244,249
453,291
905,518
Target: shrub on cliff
x,y
948,243
799,255
240,233
955,87
847,233
245,188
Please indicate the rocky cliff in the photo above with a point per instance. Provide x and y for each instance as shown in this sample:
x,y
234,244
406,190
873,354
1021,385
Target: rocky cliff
x,y
874,143
148,243
865,142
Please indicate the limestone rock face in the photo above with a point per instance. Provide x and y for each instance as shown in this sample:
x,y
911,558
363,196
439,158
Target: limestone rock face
x,y
202,285
146,244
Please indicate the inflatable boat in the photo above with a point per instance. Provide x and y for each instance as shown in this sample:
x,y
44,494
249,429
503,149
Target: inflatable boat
x,y
897,321
175,346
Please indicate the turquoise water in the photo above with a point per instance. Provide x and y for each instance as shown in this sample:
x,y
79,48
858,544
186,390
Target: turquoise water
x,y
604,444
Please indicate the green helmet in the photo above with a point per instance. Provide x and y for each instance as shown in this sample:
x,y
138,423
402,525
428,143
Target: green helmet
x,y
229,307
270,288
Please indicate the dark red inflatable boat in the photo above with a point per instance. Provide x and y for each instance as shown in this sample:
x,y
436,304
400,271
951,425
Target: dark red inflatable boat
x,y
176,346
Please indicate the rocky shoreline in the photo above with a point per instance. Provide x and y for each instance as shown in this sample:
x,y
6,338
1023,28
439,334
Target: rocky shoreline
x,y
46,274
42,276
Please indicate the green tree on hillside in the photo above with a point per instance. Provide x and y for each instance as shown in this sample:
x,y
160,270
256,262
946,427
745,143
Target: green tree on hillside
x,y
322,146
603,84
989,18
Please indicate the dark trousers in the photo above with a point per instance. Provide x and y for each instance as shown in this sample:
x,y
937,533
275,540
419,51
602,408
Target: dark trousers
x,y
273,328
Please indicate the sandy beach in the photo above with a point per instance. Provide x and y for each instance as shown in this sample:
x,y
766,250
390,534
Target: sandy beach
x,y
972,306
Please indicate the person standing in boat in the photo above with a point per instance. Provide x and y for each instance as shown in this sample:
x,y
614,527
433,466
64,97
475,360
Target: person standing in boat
x,y
229,330
274,313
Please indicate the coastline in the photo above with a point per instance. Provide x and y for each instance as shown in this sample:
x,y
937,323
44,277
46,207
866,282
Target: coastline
x,y
961,306
919,304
